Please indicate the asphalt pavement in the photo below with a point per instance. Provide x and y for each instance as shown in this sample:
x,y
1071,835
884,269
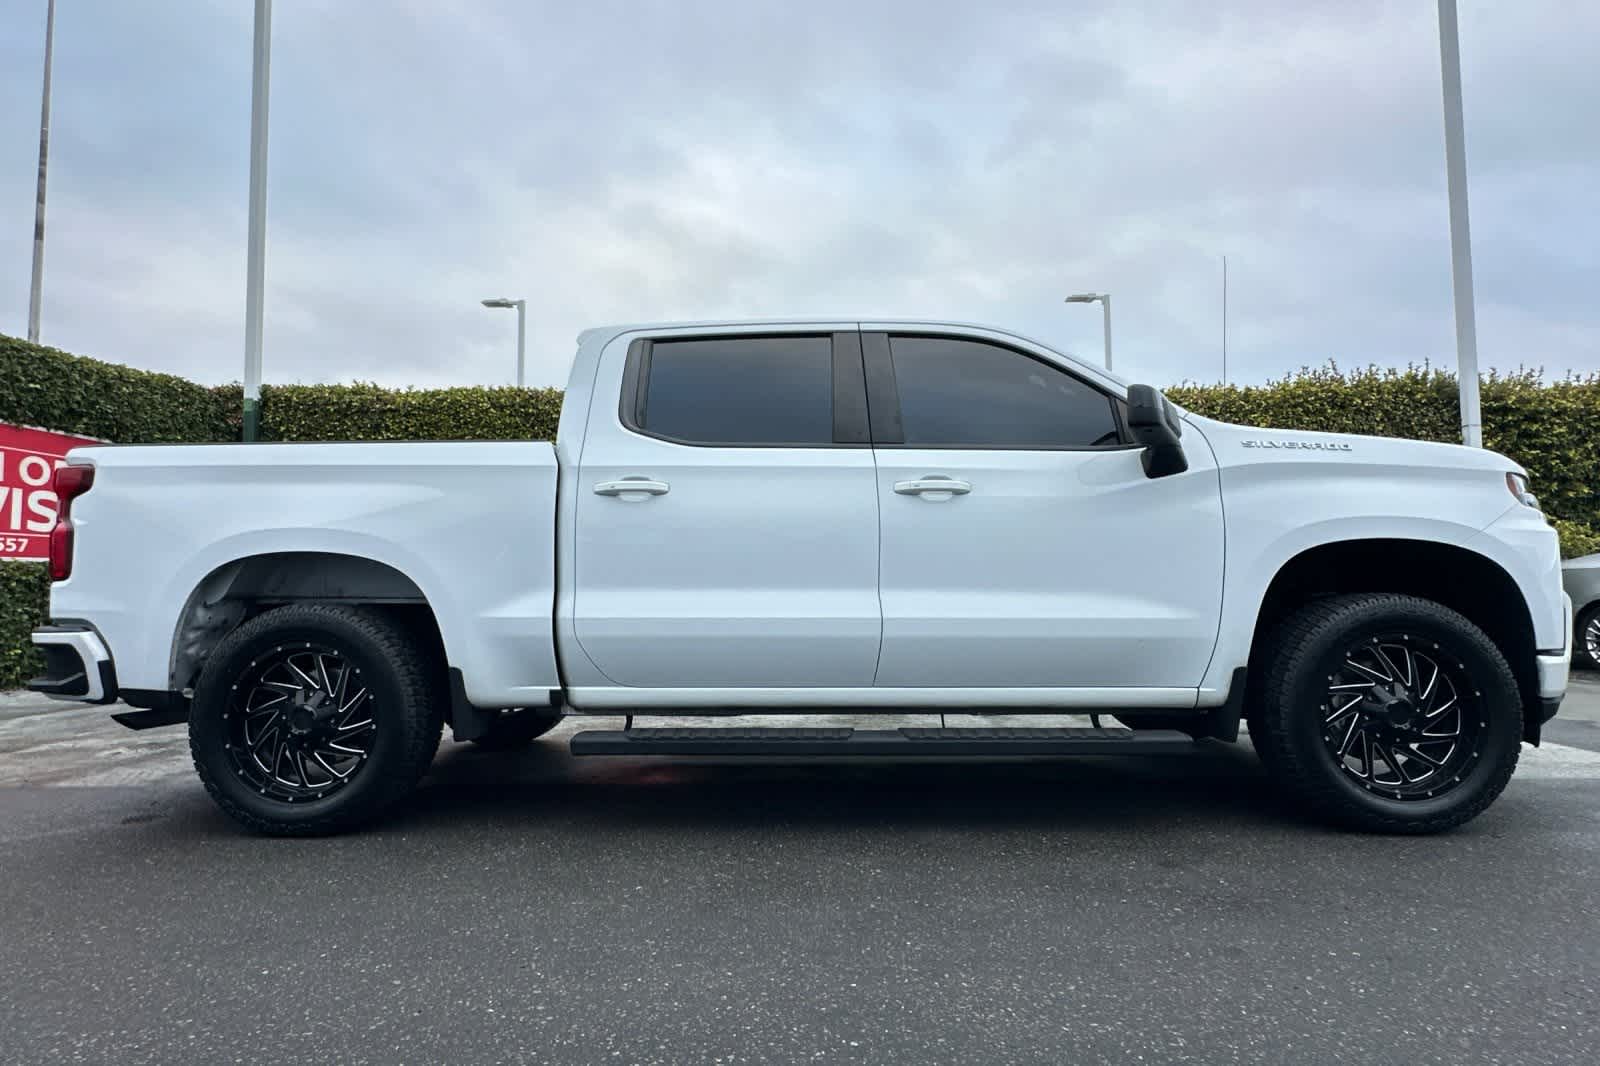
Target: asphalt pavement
x,y
534,907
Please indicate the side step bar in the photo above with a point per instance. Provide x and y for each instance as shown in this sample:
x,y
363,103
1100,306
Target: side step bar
x,y
879,742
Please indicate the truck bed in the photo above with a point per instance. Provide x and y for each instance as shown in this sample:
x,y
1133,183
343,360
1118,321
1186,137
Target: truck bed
x,y
471,525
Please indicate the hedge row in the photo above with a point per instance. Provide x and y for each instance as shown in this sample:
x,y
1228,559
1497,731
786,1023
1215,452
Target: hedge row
x,y
45,387
1553,430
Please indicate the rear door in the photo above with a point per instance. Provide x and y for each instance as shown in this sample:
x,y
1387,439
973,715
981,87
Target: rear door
x,y
1022,544
727,514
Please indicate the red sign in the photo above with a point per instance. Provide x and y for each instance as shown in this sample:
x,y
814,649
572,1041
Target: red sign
x,y
28,458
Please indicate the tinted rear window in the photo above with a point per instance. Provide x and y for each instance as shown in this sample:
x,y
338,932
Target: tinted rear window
x,y
740,390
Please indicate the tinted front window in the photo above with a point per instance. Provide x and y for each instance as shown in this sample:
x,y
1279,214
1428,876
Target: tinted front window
x,y
961,392
741,390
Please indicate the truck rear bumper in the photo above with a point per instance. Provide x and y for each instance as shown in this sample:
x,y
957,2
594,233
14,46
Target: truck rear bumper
x,y
77,665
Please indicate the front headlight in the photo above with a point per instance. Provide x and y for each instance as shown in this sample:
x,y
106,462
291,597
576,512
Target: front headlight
x,y
1518,484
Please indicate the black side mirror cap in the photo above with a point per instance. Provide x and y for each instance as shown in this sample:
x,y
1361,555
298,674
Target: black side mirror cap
x,y
1154,423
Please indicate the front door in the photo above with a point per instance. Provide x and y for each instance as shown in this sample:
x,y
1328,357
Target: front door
x,y
727,515
1022,543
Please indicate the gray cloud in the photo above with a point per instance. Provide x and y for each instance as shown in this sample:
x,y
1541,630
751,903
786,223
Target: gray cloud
x,y
618,161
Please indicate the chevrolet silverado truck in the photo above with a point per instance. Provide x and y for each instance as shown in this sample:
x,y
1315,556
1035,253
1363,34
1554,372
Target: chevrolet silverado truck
x,y
871,518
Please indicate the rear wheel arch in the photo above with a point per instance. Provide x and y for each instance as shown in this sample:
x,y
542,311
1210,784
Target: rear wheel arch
x,y
242,588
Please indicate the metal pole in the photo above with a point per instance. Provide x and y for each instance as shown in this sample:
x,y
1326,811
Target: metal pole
x,y
1455,158
36,287
1224,320
256,250
1105,306
522,309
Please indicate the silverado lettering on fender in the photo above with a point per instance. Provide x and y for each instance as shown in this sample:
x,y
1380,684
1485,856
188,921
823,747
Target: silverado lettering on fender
x,y
820,516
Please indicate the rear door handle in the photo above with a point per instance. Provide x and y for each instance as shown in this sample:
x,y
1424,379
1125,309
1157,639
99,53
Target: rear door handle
x,y
935,487
632,489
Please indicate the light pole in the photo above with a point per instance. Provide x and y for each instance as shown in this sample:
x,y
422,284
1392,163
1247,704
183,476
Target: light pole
x,y
522,331
1104,300
36,287
256,241
1455,165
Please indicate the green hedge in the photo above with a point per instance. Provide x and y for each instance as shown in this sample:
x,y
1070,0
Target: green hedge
x,y
1553,430
368,412
24,593
45,387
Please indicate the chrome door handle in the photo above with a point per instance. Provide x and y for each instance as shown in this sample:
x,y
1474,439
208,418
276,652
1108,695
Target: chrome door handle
x,y
933,488
632,489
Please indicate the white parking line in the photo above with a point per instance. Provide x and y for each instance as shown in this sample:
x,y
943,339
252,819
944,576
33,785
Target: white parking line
x,y
1559,761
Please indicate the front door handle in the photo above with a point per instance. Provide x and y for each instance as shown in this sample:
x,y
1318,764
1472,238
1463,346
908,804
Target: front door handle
x,y
632,489
934,487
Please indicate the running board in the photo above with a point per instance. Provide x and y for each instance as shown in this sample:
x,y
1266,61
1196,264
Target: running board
x,y
845,741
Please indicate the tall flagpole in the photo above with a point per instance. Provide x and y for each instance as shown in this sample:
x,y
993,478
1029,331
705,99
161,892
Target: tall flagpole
x,y
36,287
256,249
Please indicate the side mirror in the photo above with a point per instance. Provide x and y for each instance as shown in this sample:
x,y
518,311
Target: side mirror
x,y
1154,423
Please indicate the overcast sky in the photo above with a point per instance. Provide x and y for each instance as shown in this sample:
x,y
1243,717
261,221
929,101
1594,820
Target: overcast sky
x,y
614,161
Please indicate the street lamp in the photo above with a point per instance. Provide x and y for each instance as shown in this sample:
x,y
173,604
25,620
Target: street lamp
x,y
1104,300
522,320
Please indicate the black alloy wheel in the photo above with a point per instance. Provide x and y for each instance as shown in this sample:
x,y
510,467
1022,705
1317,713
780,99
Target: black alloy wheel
x,y
1399,718
300,723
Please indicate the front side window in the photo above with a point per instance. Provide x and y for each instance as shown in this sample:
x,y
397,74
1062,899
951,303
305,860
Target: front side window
x,y
957,393
739,390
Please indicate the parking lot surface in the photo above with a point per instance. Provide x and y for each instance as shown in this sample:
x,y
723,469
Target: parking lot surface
x,y
535,907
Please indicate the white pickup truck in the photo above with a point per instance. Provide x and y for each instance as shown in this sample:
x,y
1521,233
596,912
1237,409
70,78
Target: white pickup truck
x,y
820,516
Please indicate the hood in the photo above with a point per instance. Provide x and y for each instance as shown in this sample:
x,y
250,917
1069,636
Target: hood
x,y
1235,445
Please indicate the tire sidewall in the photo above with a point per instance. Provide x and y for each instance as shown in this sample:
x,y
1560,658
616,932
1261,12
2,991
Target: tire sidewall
x,y
215,691
1491,692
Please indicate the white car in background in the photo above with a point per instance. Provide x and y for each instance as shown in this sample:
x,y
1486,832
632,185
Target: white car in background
x,y
1581,577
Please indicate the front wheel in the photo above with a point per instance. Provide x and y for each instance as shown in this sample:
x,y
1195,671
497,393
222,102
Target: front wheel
x,y
314,718
1388,713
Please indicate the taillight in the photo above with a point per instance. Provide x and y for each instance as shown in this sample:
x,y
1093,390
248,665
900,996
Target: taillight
x,y
69,483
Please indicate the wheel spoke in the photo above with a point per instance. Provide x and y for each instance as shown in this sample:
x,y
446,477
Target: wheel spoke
x,y
267,706
1388,664
345,707
1348,686
310,681
327,768
1414,750
1437,711
1426,696
1341,711
1349,735
1388,756
1369,671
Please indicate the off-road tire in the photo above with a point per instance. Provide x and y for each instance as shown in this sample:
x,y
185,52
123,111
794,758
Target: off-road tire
x,y
1286,717
513,731
407,707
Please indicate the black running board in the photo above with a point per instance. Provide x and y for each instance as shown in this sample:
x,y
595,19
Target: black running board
x,y
879,742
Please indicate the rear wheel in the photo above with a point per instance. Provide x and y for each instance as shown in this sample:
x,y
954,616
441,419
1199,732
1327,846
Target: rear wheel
x,y
1586,639
314,718
518,730
1388,713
